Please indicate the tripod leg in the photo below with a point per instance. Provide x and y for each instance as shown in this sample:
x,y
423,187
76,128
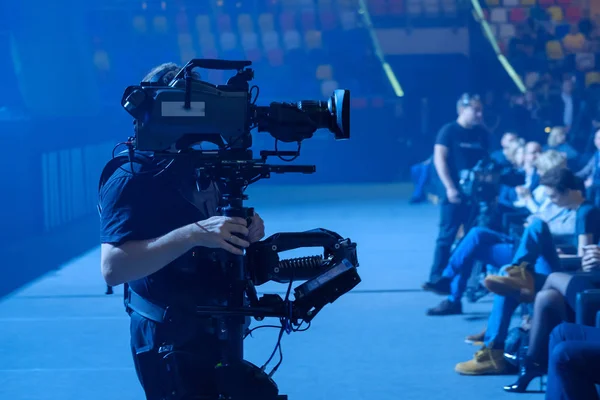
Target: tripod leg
x,y
109,290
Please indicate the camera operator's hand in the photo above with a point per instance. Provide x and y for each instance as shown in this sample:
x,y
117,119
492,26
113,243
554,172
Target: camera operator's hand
x,y
453,195
257,229
591,258
219,232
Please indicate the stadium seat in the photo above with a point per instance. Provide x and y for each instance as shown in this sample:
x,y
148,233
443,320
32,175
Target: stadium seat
x,y
184,40
592,78
498,16
324,72
227,40
560,31
159,23
253,55
328,86
313,40
517,15
203,24
181,22
292,40
545,3
573,14
506,31
249,41
328,19
414,7
270,40
209,53
358,102
531,79
377,102
287,21
510,3
325,4
265,22
207,41
139,24
275,57
348,19
492,3
556,13
101,60
449,7
528,3
554,50
308,20
566,2
224,23
245,23
377,7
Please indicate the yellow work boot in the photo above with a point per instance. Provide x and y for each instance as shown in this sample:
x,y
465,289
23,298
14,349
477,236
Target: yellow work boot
x,y
486,361
516,282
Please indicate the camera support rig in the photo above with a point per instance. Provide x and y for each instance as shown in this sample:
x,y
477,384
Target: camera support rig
x,y
234,171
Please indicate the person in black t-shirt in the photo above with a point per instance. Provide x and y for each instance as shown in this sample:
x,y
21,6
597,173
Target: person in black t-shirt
x,y
458,147
161,234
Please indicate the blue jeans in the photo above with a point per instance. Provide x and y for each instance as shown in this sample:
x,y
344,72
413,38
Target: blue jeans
x,y
496,249
573,366
536,246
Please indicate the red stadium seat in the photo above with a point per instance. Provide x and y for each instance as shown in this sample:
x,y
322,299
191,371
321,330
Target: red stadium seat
x,y
275,57
377,102
517,15
287,21
573,14
224,23
377,7
328,20
308,20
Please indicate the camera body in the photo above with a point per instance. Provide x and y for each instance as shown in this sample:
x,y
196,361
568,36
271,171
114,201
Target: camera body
x,y
482,182
189,111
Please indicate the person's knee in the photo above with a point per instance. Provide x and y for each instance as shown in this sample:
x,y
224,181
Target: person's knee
x,y
537,226
547,300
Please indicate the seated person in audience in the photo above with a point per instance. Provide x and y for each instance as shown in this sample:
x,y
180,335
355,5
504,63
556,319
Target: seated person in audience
x,y
536,199
591,173
508,195
498,249
554,304
573,371
500,156
574,41
557,140
520,281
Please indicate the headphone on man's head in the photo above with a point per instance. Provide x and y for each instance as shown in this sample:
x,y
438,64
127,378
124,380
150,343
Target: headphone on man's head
x,y
466,99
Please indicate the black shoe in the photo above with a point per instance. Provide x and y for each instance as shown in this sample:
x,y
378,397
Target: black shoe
x,y
441,287
446,307
529,371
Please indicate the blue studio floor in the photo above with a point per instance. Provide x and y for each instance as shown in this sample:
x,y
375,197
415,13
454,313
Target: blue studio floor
x,y
62,338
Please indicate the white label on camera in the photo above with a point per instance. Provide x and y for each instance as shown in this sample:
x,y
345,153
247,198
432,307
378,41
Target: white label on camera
x,y
175,109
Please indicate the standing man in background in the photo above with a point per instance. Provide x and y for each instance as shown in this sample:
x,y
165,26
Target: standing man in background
x,y
458,147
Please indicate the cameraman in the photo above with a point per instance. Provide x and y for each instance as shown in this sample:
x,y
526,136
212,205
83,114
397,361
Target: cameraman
x,y
160,234
458,147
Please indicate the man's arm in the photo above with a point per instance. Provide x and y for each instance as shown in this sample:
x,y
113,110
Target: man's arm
x,y
440,160
137,259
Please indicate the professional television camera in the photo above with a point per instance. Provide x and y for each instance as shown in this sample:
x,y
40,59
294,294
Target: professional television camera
x,y
169,121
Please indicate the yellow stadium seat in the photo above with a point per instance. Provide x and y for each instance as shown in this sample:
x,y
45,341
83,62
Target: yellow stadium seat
x,y
554,50
245,24
324,72
139,24
160,24
313,40
556,13
101,60
265,22
203,23
592,78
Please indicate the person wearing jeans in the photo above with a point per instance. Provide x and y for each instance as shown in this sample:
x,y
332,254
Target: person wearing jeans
x,y
527,274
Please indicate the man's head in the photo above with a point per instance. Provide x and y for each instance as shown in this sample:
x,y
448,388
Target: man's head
x,y
507,139
470,110
562,187
531,154
163,73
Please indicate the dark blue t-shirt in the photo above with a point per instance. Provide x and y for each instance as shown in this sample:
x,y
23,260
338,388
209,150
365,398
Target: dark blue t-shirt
x,y
146,205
